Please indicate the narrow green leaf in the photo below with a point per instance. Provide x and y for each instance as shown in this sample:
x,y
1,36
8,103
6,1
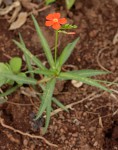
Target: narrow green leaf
x,y
31,56
43,72
106,82
27,58
49,1
69,3
66,53
47,96
59,104
9,91
21,79
88,81
88,72
3,95
48,115
44,43
15,64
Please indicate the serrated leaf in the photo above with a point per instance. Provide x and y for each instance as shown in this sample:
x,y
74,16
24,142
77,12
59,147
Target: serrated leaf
x,y
47,96
15,64
88,72
88,81
66,53
30,55
44,43
69,3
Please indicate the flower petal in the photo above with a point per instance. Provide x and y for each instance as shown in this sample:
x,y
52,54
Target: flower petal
x,y
56,26
56,15
50,17
62,20
49,23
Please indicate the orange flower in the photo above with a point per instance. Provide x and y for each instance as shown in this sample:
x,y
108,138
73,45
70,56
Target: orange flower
x,y
55,21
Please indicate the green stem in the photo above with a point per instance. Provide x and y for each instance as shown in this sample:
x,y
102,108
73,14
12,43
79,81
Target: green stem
x,y
56,44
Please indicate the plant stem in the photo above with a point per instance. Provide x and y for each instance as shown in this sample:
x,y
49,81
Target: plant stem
x,y
56,43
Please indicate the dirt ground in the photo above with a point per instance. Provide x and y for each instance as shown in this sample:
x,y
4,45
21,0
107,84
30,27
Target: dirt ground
x,y
92,121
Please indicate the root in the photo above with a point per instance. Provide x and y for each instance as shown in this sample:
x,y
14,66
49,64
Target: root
x,y
98,60
26,134
70,106
19,104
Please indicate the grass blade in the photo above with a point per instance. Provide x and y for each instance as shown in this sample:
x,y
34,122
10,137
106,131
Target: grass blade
x,y
43,72
44,43
69,3
9,91
59,104
66,53
48,115
88,81
49,1
27,58
21,79
30,55
47,96
88,72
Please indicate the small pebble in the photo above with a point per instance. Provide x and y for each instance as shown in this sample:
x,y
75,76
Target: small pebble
x,y
95,144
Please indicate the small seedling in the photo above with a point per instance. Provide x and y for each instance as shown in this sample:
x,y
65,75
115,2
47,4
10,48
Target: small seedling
x,y
12,71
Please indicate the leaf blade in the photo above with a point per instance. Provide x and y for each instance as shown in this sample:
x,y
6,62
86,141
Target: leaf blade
x,y
28,53
69,3
15,64
48,115
6,69
43,72
9,91
47,96
59,104
66,53
27,58
22,79
88,81
49,1
88,72
44,43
